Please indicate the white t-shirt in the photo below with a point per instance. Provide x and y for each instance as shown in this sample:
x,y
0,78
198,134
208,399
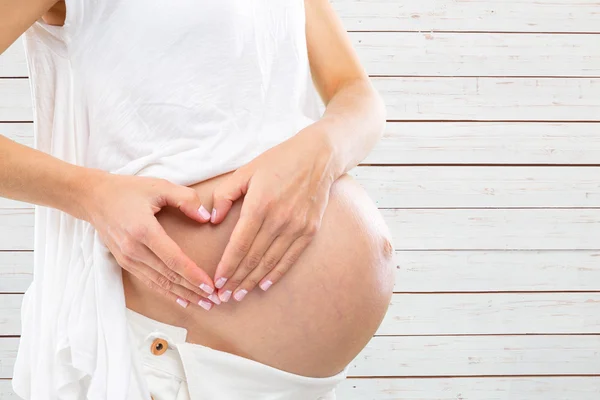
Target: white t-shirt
x,y
182,90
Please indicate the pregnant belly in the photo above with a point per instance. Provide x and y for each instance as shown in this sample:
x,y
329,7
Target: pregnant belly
x,y
322,312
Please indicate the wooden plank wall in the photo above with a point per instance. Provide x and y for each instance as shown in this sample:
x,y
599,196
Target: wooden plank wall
x,y
488,176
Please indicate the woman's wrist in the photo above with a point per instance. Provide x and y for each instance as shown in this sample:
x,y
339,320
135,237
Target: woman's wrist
x,y
80,191
325,153
352,124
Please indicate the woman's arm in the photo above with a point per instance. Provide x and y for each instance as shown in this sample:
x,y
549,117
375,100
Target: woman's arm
x,y
35,177
286,188
18,15
121,208
354,117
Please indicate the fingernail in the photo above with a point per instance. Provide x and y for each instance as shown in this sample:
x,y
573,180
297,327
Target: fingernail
x,y
183,303
240,294
265,285
203,213
207,289
207,305
225,296
214,215
214,298
220,283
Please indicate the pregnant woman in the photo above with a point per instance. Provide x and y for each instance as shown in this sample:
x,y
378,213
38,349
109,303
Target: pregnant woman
x,y
196,233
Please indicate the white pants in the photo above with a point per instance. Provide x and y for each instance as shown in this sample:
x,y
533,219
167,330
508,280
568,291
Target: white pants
x,y
176,370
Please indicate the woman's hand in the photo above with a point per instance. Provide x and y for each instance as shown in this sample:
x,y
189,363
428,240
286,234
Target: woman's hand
x,y
122,209
286,192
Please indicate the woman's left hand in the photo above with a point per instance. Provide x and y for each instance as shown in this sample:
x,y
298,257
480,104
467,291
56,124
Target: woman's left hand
x,y
286,192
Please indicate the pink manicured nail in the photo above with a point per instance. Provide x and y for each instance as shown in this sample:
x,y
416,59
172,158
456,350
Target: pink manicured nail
x,y
240,294
204,213
214,215
182,302
207,305
266,285
220,283
225,296
214,298
207,289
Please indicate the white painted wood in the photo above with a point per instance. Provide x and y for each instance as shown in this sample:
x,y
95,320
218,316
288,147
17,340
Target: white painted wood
x,y
494,229
16,229
15,101
488,99
487,143
450,314
13,62
9,203
415,356
492,314
484,388
492,271
481,15
460,142
8,354
445,54
16,271
19,132
466,187
10,316
478,99
477,54
430,229
454,271
6,392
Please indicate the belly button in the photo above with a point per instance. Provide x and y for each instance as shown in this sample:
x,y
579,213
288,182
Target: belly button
x,y
388,248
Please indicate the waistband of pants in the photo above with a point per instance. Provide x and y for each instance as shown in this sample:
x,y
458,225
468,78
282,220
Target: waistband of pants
x,y
203,366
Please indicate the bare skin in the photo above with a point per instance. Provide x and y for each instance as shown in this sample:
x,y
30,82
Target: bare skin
x,y
322,312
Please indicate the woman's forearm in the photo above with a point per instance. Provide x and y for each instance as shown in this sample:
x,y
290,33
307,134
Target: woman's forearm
x,y
35,177
352,124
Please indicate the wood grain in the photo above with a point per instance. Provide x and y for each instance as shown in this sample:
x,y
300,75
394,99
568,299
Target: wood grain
x,y
477,54
8,354
494,229
13,62
498,143
472,187
492,314
466,388
497,271
16,271
6,392
491,99
482,15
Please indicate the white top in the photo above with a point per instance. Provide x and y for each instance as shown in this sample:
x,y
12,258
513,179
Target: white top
x,y
182,90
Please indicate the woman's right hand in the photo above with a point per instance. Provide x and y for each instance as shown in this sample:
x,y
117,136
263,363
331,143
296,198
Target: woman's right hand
x,y
122,208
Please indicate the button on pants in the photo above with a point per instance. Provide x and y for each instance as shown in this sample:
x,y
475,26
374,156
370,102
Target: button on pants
x,y
176,370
